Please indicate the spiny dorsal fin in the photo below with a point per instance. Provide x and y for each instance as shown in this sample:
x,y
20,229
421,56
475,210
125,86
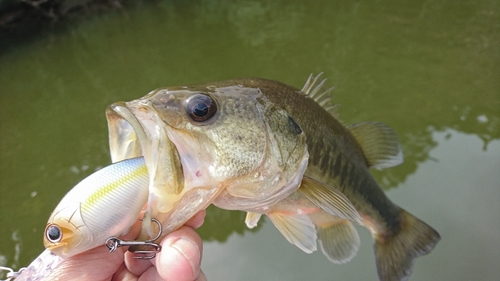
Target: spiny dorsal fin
x,y
379,143
313,88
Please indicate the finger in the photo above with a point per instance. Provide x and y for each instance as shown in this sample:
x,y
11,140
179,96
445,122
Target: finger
x,y
180,257
197,220
122,274
136,266
102,263
151,275
133,265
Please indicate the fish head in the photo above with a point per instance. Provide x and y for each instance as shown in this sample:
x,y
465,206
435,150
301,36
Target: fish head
x,y
65,233
225,136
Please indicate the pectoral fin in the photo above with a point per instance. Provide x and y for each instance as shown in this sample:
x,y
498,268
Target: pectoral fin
x,y
252,219
297,229
379,143
329,199
339,241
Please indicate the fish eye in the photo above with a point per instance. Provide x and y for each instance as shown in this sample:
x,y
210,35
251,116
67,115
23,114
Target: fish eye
x,y
201,107
53,233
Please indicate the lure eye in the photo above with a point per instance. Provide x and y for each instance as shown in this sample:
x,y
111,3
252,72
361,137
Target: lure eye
x,y
53,233
201,107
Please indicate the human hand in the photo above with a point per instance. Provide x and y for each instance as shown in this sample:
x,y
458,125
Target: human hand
x,y
179,259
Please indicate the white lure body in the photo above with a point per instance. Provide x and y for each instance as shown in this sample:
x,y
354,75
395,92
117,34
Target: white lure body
x,y
106,203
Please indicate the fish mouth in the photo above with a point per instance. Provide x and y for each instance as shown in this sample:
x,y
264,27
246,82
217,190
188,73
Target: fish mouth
x,y
127,137
135,130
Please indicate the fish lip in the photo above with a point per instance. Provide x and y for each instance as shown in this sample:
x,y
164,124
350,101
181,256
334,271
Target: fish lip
x,y
124,135
139,135
143,124
137,129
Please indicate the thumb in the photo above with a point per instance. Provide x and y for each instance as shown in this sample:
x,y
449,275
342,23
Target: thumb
x,y
180,257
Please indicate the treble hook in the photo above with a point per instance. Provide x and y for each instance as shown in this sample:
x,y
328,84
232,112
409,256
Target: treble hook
x,y
114,243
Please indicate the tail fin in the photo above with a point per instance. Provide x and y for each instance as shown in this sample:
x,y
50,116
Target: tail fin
x,y
395,254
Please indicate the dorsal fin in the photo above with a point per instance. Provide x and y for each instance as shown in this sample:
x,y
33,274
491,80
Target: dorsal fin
x,y
313,88
379,143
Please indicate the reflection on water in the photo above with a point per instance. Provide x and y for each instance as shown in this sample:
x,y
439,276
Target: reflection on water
x,y
458,192
428,70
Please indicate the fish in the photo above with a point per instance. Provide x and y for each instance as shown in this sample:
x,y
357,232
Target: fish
x,y
267,148
197,152
104,204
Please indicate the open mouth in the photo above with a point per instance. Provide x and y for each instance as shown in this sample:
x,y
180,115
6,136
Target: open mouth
x,y
126,134
135,130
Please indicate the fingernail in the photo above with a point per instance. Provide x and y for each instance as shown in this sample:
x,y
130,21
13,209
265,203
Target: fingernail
x,y
190,250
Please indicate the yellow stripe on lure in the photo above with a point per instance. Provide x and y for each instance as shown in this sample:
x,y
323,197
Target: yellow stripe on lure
x,y
102,205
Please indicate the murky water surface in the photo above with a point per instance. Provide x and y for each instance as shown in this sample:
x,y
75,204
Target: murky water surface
x,y
429,69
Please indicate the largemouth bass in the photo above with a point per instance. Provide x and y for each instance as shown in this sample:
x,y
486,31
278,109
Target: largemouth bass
x,y
226,147
268,148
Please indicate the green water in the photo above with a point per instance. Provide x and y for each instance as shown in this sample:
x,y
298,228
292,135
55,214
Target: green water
x,y
429,69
